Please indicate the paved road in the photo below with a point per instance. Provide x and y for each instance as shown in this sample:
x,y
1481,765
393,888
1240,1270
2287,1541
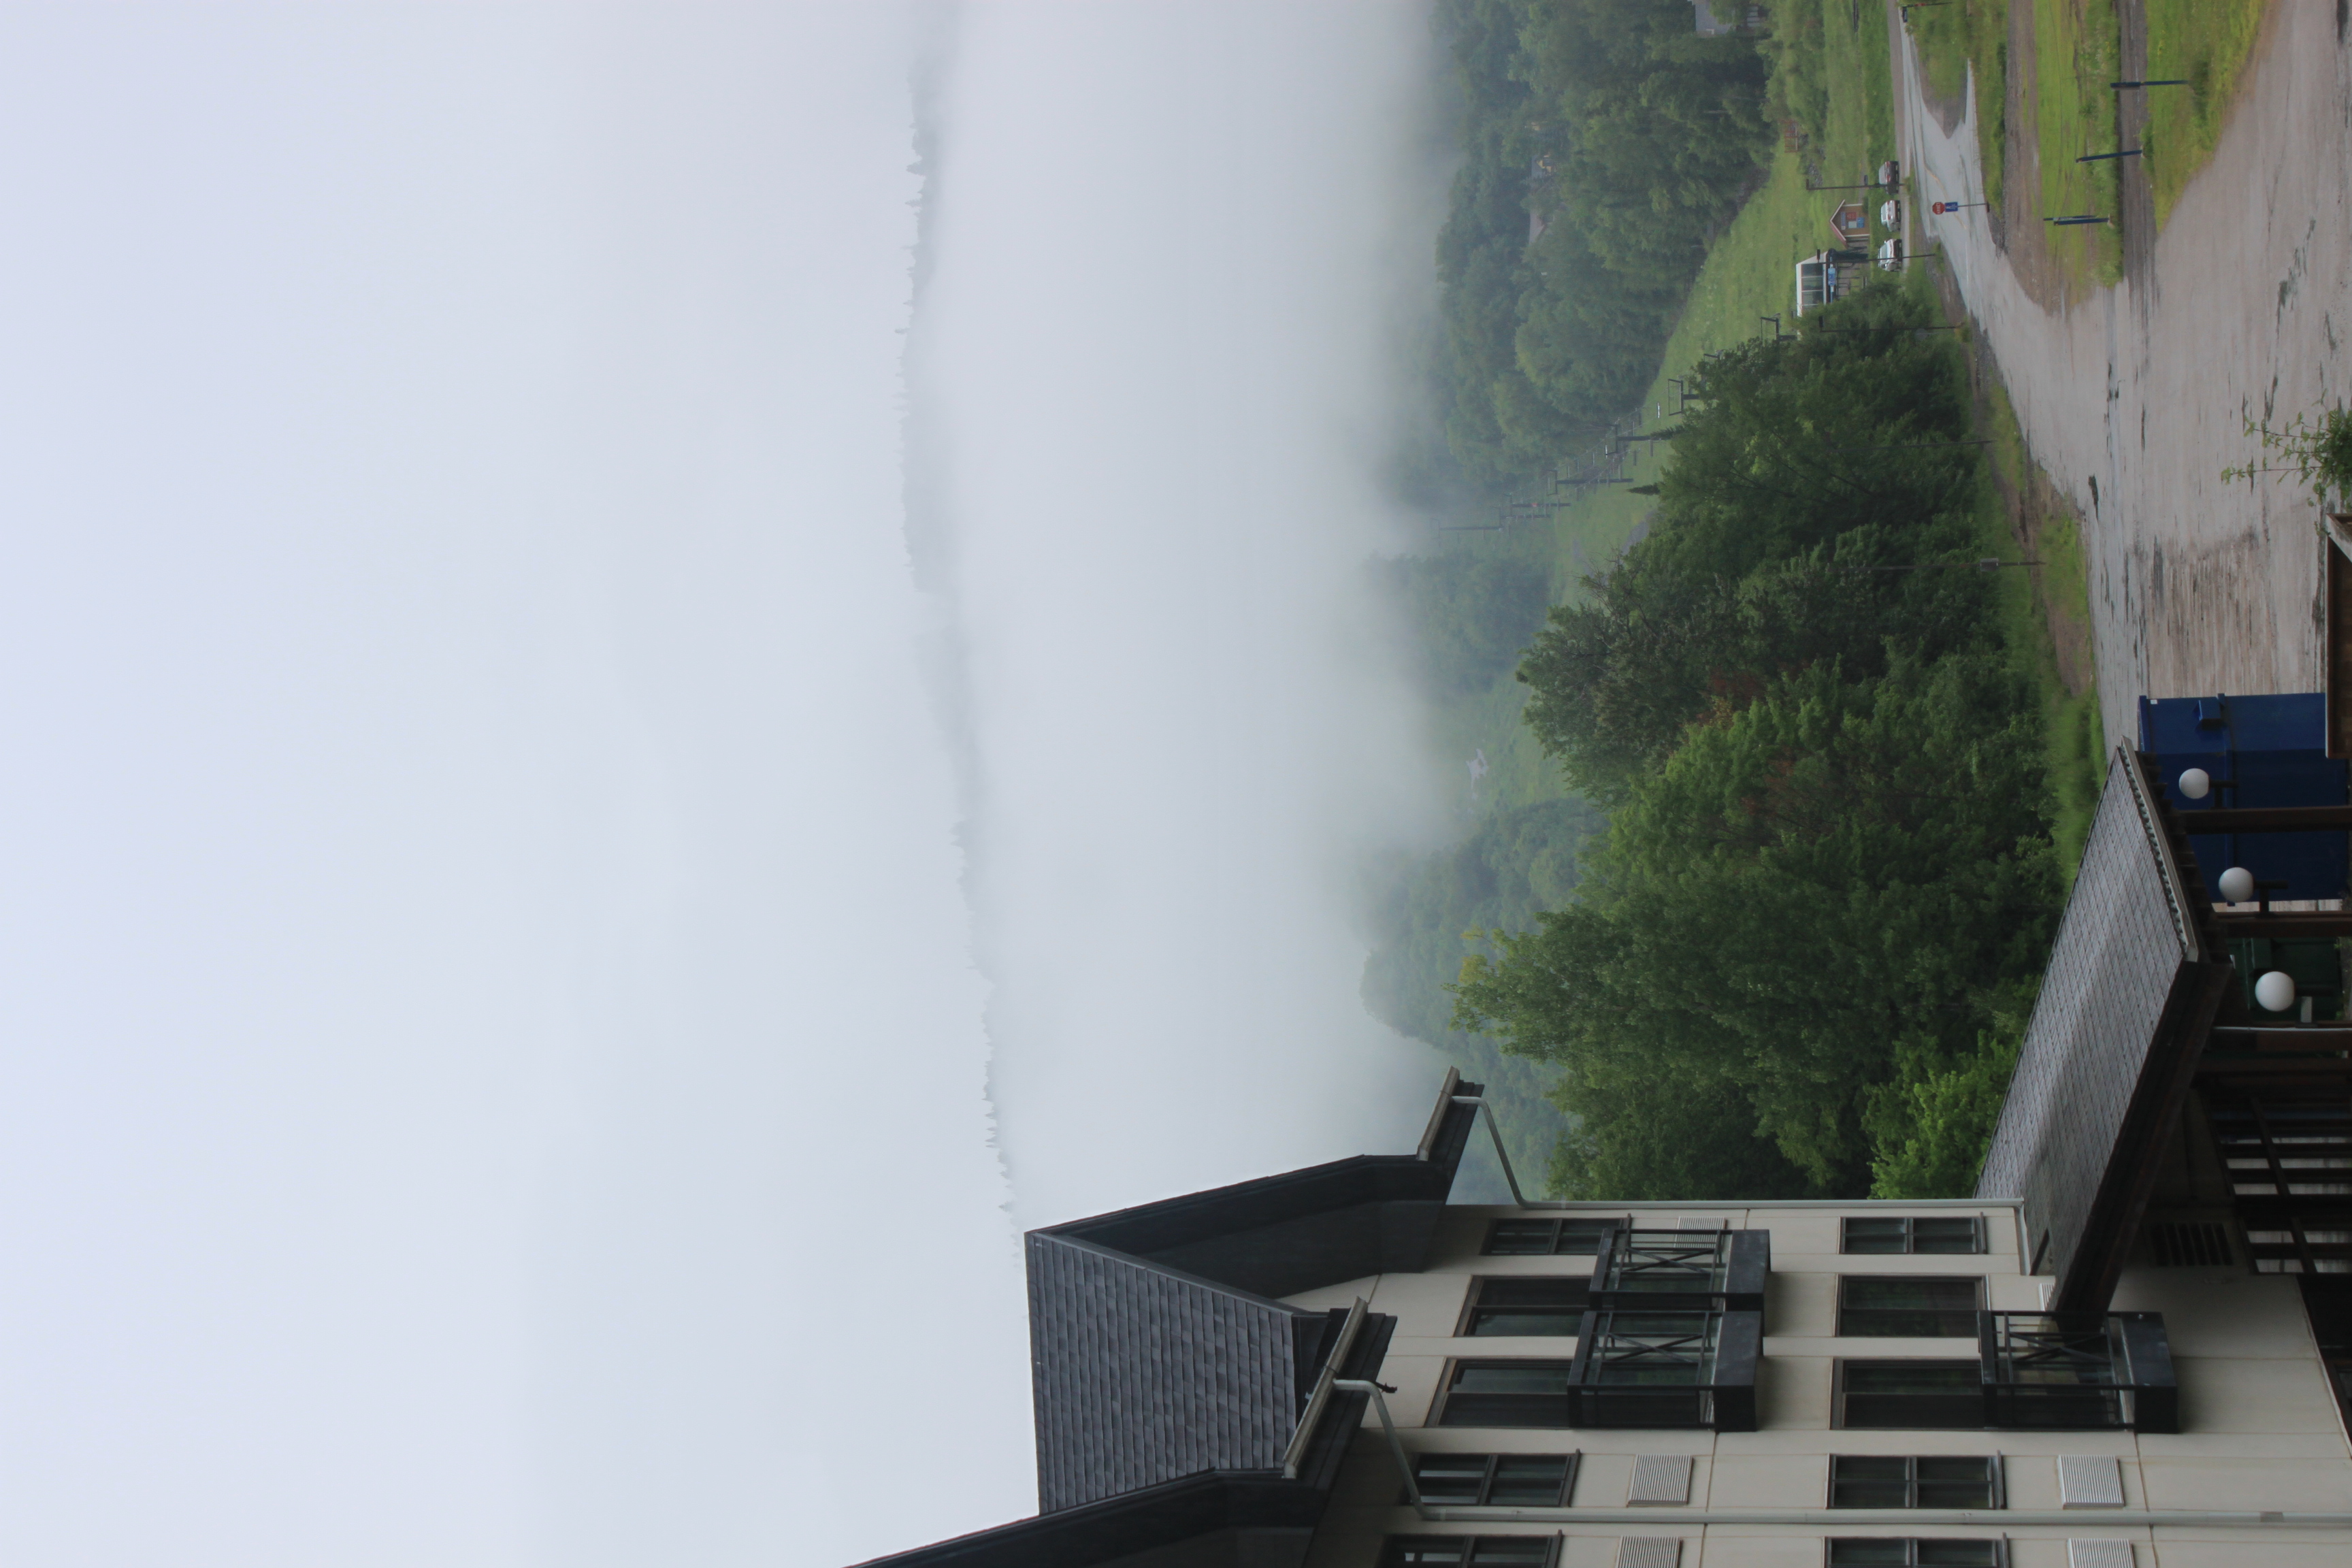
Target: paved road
x,y
2134,398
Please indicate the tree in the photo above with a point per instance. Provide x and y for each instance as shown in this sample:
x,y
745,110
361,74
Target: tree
x,y
1833,888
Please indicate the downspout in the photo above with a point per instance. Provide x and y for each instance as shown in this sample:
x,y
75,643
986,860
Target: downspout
x,y
1295,1454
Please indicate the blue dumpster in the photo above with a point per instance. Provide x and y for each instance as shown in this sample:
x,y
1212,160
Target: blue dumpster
x,y
2260,751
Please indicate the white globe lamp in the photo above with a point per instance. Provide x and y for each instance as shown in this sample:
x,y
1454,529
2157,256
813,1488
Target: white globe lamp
x,y
2196,784
2275,991
2237,886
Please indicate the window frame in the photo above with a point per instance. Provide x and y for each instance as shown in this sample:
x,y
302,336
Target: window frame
x,y
1393,1547
1560,1231
1910,1237
1474,1304
1840,1390
1996,1478
1571,1462
1456,1366
1911,1543
1974,1312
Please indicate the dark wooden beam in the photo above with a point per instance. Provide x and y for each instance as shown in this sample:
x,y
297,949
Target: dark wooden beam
x,y
2284,1037
2324,925
2266,819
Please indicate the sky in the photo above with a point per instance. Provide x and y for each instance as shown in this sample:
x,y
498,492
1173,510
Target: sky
x,y
554,933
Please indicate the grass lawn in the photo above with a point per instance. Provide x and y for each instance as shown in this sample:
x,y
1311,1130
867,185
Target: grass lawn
x,y
2207,42
2057,594
2077,52
1951,38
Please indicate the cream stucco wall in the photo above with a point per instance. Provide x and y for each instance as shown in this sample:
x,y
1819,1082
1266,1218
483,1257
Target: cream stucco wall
x,y
2261,1429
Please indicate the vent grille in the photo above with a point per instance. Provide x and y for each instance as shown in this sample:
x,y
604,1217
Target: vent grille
x,y
2090,1480
2195,1244
2099,1554
1667,1552
1661,1479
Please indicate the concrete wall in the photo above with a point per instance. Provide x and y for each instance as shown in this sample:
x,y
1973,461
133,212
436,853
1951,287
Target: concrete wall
x,y
2261,1429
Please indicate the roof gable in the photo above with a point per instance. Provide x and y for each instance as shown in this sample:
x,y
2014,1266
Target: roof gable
x,y
2133,982
1143,1374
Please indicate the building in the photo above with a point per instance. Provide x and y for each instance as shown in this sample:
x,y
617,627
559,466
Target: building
x,y
2125,1352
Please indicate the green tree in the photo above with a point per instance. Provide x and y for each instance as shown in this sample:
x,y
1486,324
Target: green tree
x,y
1833,888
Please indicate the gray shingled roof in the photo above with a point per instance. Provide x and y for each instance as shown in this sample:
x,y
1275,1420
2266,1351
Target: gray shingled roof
x,y
2123,1012
1143,1374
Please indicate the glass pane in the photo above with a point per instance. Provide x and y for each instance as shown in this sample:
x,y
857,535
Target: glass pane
x,y
1659,1373
1584,1236
1844,1493
1866,1549
1882,1395
1954,1494
1974,1553
1874,1236
1544,1290
1523,1321
1870,1467
1512,1377
1431,1548
1451,1478
1546,1411
1912,1376
1967,1469
1881,1305
1657,1325
1895,1290
1516,1237
1944,1235
1530,1480
1489,1550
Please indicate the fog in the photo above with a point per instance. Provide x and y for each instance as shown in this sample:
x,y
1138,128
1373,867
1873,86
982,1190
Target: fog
x,y
1163,362
552,929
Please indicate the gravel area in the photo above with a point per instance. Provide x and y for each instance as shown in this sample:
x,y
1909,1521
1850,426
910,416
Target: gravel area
x,y
2134,398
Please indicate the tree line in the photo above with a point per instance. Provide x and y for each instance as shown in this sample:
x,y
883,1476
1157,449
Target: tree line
x,y
1604,143
1799,961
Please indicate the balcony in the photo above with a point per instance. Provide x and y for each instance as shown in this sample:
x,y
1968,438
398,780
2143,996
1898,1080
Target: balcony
x,y
1666,1369
2077,1372
1723,1269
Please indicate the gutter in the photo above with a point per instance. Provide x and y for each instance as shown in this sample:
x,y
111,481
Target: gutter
x,y
1295,1454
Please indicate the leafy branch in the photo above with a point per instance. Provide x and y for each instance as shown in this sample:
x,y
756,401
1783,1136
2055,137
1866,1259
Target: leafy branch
x,y
2319,452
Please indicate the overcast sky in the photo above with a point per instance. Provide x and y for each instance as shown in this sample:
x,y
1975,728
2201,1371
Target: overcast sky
x,y
546,958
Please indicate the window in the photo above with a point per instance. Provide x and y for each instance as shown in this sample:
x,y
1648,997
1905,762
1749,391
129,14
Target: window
x,y
1877,1549
1508,1393
1871,1482
1499,1480
1546,1237
1471,1552
1885,1306
1529,1304
1924,1396
1963,1234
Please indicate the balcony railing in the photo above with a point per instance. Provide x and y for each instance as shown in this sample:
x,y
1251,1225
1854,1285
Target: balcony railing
x,y
2077,1372
1666,1369
1724,1269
